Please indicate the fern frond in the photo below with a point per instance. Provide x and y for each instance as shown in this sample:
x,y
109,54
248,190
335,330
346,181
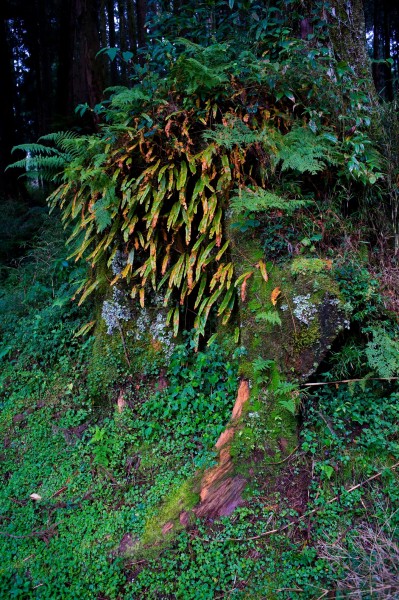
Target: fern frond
x,y
69,142
114,89
46,167
33,149
304,151
18,164
59,136
129,96
383,354
270,316
261,200
193,75
236,133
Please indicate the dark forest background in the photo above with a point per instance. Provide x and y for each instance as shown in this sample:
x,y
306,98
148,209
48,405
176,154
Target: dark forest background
x,y
49,62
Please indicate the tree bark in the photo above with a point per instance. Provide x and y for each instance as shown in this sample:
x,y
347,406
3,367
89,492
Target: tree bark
x,y
123,42
141,14
131,26
39,36
80,69
348,36
7,125
387,53
112,38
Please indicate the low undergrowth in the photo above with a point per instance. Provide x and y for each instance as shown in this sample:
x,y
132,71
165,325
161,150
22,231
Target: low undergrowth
x,y
85,492
78,477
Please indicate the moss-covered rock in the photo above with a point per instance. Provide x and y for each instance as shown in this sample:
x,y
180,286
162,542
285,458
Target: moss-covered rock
x,y
130,341
294,316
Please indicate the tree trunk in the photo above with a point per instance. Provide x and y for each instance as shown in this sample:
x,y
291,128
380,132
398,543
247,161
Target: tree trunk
x,y
387,54
112,38
131,27
39,35
7,125
141,14
348,37
123,41
378,49
83,72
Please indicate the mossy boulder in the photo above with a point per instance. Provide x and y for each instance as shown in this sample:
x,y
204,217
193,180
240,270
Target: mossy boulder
x,y
129,341
294,316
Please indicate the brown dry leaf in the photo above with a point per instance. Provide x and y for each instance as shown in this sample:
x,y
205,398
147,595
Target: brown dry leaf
x,y
167,527
262,269
35,497
244,290
168,127
59,492
329,263
141,296
121,403
244,287
274,295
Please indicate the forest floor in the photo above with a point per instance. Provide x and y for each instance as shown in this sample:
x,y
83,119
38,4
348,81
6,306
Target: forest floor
x,y
87,486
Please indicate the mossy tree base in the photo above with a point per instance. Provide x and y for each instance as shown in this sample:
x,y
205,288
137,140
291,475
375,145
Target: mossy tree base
x,y
288,321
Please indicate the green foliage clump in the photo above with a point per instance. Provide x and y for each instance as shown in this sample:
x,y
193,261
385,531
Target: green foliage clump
x,y
156,180
207,562
359,290
309,266
360,413
207,129
198,398
105,477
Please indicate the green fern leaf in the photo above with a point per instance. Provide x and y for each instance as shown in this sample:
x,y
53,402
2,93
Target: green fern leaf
x,y
270,316
260,200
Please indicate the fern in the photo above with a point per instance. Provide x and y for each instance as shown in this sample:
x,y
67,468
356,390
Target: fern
x,y
383,354
234,133
299,150
102,214
270,316
69,142
216,56
34,149
202,69
155,180
195,76
58,137
288,396
260,364
304,151
261,200
50,162
125,97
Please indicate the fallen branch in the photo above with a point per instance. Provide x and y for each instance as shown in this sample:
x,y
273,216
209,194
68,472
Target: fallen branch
x,y
365,379
40,534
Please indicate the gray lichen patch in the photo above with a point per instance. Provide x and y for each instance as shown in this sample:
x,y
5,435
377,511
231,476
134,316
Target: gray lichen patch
x,y
151,325
115,311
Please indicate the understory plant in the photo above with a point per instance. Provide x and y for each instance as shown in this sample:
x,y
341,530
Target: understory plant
x,y
218,132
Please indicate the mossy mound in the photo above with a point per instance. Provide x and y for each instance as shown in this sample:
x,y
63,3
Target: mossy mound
x,y
294,316
138,346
